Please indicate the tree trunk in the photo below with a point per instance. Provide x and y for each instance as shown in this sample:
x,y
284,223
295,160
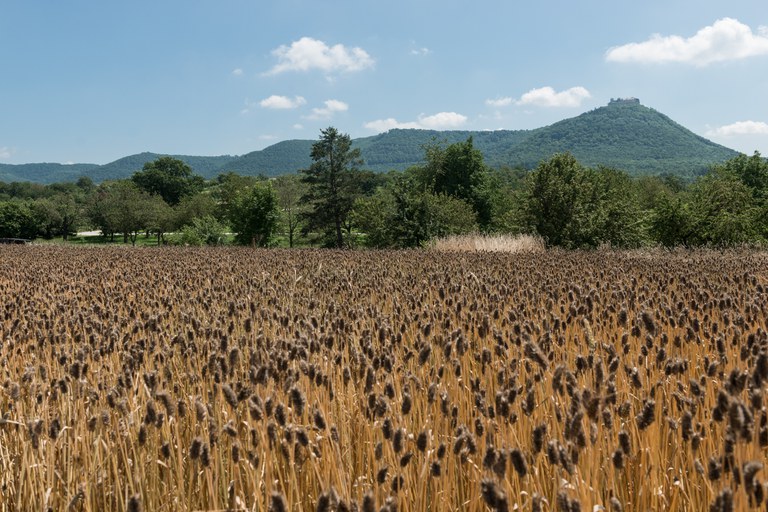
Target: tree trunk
x,y
339,236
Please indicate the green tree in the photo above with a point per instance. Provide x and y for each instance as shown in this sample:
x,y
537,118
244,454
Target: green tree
x,y
254,214
195,207
290,189
458,171
723,209
333,183
609,211
751,170
671,222
121,207
401,215
573,206
551,195
161,218
170,178
58,215
226,188
204,230
17,220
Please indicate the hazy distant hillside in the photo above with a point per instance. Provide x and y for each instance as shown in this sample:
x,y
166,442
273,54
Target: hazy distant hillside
x,y
45,173
624,134
207,166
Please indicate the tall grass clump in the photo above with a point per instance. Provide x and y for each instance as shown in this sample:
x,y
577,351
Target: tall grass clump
x,y
489,243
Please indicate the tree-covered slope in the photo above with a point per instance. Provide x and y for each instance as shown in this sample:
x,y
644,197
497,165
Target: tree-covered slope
x,y
625,135
282,158
402,148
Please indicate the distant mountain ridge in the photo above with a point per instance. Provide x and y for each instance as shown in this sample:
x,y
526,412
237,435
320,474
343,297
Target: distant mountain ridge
x,y
623,134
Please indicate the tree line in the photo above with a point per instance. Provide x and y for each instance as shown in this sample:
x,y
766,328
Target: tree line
x,y
336,203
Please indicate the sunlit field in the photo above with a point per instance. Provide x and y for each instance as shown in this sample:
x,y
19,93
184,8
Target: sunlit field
x,y
238,379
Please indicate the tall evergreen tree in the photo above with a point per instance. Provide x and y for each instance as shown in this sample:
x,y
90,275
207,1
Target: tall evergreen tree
x,y
334,182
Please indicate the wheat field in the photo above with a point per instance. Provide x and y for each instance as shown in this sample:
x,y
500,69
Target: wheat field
x,y
240,379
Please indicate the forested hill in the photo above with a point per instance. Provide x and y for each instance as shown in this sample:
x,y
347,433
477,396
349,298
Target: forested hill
x,y
624,134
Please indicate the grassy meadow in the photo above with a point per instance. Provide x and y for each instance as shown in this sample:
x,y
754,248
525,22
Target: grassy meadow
x,y
164,379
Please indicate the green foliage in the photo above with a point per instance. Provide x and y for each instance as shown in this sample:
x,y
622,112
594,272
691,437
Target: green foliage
x,y
169,178
253,215
204,230
333,183
752,171
121,207
576,207
671,222
17,220
290,189
57,216
457,171
401,215
227,187
195,207
551,198
624,135
722,210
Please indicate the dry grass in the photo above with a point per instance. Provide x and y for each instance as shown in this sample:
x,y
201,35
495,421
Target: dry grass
x,y
240,379
488,243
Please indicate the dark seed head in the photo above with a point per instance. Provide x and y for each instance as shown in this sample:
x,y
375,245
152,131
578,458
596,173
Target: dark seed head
x,y
518,462
134,503
277,503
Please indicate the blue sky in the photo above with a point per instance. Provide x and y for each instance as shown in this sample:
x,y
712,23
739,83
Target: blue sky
x,y
95,80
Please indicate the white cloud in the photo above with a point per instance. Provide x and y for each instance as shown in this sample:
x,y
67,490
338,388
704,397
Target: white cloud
x,y
298,126
740,128
421,52
499,102
282,102
308,54
5,152
237,72
439,121
442,121
331,107
390,123
726,39
547,97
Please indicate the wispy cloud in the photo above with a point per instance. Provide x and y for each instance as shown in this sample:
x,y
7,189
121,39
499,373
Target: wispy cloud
x,y
740,128
499,102
421,52
439,121
548,97
237,72
309,54
5,153
331,107
282,102
726,39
